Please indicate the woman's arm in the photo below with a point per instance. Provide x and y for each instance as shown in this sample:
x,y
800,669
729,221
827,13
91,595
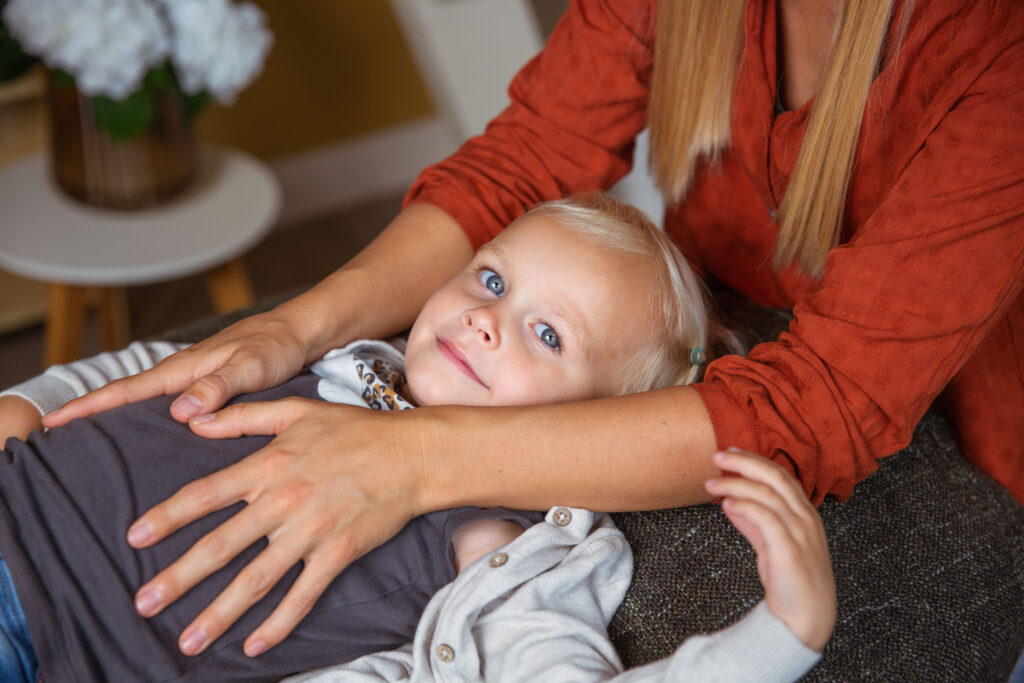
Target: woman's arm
x,y
376,294
934,265
365,490
637,452
338,481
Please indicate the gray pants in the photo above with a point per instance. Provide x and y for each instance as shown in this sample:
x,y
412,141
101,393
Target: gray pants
x,y
68,498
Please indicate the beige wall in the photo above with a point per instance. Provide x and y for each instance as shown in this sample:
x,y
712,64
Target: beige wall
x,y
22,131
338,68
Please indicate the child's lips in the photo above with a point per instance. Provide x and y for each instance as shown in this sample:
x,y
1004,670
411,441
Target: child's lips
x,y
455,356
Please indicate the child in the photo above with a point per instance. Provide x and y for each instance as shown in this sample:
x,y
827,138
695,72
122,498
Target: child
x,y
548,623
548,312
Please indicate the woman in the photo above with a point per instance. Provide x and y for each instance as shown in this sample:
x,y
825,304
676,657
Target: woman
x,y
856,161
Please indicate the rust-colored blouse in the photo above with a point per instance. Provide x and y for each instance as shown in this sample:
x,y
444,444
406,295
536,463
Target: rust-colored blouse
x,y
923,292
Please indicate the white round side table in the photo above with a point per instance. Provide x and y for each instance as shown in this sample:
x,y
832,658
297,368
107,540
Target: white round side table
x,y
47,236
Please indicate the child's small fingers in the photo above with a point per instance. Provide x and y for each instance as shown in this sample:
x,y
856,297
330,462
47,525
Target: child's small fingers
x,y
757,468
737,489
764,529
743,524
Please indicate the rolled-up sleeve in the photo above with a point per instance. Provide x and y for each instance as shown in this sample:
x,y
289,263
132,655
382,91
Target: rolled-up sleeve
x,y
901,306
574,113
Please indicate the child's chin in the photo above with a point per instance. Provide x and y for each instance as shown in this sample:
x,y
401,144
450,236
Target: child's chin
x,y
429,396
435,396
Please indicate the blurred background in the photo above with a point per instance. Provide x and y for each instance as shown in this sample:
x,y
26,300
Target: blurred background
x,y
356,96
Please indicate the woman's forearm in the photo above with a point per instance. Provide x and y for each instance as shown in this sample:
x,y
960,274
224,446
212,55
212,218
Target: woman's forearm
x,y
643,451
380,291
339,480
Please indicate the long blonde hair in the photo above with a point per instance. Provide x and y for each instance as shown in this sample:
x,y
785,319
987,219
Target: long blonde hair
x,y
697,55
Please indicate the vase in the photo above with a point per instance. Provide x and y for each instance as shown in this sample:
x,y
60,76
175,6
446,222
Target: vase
x,y
135,172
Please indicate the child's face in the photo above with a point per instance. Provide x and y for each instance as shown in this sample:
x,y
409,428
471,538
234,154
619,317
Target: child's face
x,y
541,315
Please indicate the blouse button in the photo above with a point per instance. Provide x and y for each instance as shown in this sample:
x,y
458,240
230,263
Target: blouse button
x,y
562,517
498,559
445,653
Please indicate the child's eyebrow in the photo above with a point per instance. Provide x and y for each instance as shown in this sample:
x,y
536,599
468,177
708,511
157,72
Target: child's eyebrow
x,y
577,324
492,250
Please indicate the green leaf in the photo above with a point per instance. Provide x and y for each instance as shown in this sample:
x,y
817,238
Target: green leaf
x,y
62,79
161,77
126,118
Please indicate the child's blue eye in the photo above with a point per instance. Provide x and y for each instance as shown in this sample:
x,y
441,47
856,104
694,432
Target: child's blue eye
x,y
547,335
492,281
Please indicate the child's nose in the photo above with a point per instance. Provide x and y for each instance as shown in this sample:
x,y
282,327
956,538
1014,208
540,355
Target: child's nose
x,y
484,323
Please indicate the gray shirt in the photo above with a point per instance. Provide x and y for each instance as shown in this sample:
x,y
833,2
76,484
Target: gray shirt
x,y
535,610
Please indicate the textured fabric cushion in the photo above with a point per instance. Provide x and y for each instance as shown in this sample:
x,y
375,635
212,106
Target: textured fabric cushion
x,y
928,555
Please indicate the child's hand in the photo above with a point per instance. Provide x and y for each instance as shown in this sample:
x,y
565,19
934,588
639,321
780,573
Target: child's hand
x,y
770,509
18,417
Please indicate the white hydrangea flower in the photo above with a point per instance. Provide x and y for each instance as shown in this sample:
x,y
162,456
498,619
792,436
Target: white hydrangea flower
x,y
218,47
107,45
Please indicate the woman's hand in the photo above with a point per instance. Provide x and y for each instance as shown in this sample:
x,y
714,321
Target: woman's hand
x,y
770,509
376,294
18,418
256,353
331,487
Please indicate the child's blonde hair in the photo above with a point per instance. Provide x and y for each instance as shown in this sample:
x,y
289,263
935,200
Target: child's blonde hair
x,y
684,331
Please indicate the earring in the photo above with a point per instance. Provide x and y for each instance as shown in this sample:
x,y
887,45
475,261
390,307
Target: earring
x,y
697,356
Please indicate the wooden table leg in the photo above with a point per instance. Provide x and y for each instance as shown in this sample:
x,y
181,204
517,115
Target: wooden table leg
x,y
114,326
64,324
229,286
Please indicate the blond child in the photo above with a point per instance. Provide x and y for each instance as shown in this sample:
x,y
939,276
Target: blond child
x,y
577,299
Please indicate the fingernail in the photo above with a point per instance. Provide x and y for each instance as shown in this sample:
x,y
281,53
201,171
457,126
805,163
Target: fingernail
x,y
148,602
200,419
711,483
193,641
139,533
734,449
718,455
255,648
187,406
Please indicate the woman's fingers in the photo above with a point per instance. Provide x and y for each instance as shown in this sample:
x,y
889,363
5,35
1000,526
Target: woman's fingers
x,y
192,501
245,480
268,418
253,354
241,373
319,494
157,381
244,591
308,587
209,554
